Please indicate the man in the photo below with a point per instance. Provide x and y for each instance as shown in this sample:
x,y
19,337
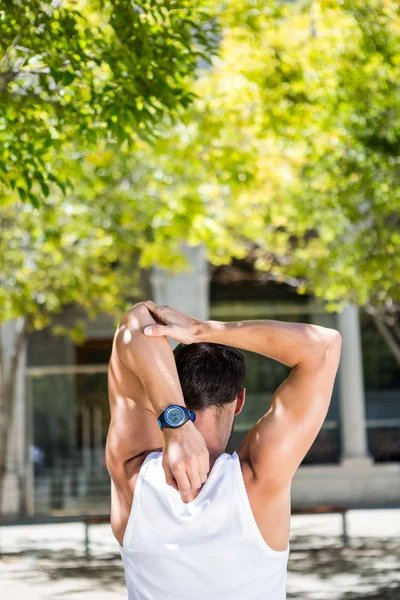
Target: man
x,y
194,522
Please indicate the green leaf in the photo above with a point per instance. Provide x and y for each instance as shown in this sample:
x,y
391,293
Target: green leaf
x,y
22,193
68,77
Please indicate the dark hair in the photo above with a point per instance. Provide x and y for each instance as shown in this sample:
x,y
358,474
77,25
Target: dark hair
x,y
210,374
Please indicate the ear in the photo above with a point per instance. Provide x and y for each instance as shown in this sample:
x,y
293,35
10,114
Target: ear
x,y
241,399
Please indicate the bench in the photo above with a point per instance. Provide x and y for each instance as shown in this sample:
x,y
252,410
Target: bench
x,y
325,509
314,510
89,520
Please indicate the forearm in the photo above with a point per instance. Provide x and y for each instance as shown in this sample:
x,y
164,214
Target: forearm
x,y
288,343
150,359
151,362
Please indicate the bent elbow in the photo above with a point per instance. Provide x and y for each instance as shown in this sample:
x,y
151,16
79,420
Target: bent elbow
x,y
333,345
131,323
133,316
326,341
333,337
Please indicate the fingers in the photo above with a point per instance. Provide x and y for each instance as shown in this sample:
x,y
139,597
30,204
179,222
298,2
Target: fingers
x,y
169,478
177,478
164,313
157,330
186,454
182,480
189,476
156,309
151,305
194,479
205,468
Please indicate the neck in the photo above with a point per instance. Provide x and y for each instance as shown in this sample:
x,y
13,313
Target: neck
x,y
215,433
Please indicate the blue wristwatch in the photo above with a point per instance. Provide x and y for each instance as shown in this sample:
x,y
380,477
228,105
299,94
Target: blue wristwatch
x,y
175,416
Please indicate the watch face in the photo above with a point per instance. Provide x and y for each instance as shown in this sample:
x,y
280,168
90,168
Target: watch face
x,y
174,416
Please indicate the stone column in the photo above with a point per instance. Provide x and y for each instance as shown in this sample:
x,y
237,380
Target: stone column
x,y
351,382
188,290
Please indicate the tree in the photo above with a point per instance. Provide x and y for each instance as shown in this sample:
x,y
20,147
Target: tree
x,y
290,152
73,73
77,80
62,254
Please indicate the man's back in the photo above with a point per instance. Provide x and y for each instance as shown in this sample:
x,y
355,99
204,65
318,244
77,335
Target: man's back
x,y
210,547
245,528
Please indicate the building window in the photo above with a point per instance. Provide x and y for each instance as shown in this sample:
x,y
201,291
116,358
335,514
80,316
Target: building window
x,y
382,393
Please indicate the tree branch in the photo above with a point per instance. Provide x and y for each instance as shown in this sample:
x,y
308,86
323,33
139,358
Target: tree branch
x,y
396,329
13,45
388,337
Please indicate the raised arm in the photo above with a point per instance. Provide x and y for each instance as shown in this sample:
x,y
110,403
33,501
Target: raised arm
x,y
150,384
278,442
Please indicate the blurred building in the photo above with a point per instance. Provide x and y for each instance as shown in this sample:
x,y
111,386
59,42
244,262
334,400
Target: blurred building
x,y
57,460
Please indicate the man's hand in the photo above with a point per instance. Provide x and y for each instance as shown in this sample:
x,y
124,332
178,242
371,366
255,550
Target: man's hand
x,y
173,323
185,458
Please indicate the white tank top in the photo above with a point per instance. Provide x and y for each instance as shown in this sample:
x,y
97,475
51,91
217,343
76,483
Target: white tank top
x,y
208,549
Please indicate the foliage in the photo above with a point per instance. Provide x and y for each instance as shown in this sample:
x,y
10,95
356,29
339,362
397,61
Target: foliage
x,y
61,254
78,71
290,151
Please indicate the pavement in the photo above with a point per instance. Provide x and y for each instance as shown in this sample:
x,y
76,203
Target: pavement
x,y
47,562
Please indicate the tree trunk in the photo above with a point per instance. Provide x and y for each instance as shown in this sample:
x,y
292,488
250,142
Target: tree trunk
x,y
8,378
396,329
388,336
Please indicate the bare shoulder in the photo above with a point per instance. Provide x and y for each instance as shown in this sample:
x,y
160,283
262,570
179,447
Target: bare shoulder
x,y
123,484
247,471
122,492
270,506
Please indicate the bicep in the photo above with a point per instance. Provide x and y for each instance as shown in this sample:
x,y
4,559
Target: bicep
x,y
129,428
279,441
133,425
